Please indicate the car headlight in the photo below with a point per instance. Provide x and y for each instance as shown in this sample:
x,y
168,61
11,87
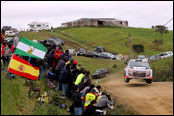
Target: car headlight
x,y
130,72
147,73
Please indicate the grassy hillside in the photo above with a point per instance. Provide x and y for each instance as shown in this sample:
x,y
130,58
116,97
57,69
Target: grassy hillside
x,y
112,38
14,93
92,64
162,69
15,101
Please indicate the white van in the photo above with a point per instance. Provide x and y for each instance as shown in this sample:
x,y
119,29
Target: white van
x,y
38,26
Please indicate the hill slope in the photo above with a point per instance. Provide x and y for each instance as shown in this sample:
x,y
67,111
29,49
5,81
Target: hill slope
x,y
112,38
14,93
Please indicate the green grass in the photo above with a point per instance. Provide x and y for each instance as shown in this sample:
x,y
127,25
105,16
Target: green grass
x,y
92,64
15,101
114,38
14,96
162,70
14,93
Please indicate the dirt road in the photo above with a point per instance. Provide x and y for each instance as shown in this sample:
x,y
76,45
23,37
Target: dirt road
x,y
153,99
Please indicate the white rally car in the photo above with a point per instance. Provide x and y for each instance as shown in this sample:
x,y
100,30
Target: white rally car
x,y
138,69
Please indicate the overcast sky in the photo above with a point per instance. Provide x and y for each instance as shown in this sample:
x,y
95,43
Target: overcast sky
x,y
138,13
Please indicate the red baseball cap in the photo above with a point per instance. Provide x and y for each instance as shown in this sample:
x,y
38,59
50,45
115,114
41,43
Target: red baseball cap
x,y
75,62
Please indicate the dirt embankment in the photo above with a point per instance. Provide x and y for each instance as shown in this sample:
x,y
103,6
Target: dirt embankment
x,y
153,99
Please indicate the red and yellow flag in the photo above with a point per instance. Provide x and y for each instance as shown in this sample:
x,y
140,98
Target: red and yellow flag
x,y
23,68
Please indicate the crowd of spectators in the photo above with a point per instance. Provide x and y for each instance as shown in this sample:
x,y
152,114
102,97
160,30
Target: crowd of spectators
x,y
69,77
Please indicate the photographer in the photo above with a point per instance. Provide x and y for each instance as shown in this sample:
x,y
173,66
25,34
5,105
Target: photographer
x,y
104,101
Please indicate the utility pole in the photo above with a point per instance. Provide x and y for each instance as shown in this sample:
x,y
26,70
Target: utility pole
x,y
130,43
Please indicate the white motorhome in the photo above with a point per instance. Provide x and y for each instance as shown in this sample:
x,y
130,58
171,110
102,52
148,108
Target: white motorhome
x,y
38,26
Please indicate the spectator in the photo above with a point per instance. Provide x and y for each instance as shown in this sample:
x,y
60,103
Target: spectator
x,y
67,54
2,38
70,82
16,39
11,46
59,67
104,101
98,90
85,81
6,53
77,101
91,109
74,70
84,92
51,29
87,89
45,43
50,47
64,78
57,55
89,97
50,75
41,68
80,77
50,58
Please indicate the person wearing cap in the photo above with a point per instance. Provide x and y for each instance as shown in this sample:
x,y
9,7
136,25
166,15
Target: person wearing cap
x,y
75,62
57,54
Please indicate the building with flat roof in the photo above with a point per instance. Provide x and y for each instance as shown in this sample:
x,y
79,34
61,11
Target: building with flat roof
x,y
97,22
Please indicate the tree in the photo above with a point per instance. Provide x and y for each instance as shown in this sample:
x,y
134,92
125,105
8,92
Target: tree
x,y
157,42
138,48
162,29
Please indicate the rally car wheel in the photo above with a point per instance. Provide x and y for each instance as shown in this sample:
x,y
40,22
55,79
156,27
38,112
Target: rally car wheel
x,y
149,81
126,80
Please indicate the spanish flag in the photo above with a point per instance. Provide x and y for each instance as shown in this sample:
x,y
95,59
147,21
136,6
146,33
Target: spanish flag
x,y
23,68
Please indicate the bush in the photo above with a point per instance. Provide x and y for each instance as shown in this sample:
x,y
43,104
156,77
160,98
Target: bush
x,y
164,73
138,48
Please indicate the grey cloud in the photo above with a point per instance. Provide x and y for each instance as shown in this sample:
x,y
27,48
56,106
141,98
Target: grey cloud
x,y
139,14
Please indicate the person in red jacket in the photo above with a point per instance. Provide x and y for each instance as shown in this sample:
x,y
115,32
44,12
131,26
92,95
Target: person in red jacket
x,y
2,48
2,38
57,55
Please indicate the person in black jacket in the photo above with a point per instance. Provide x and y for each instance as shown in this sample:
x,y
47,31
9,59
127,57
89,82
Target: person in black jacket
x,y
85,81
60,65
77,101
64,78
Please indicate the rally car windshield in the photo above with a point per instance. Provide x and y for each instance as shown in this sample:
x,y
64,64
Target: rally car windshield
x,y
139,64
